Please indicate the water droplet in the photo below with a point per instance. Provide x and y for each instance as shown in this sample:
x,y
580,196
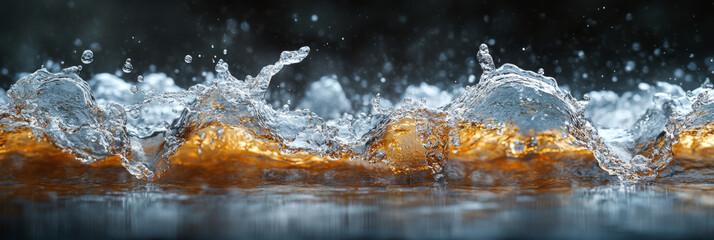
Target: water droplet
x,y
485,59
375,104
127,68
87,56
140,78
134,89
314,18
630,65
636,47
541,71
188,59
707,84
225,51
221,66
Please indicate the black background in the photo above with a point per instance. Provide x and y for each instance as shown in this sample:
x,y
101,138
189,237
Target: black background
x,y
423,41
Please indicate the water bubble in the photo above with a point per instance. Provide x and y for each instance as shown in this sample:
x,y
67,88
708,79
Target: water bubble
x,y
127,68
188,58
87,56
134,89
140,78
541,71
221,66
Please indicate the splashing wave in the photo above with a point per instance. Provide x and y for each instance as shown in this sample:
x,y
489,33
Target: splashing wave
x,y
513,125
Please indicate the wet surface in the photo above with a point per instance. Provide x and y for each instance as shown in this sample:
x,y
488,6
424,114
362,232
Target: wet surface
x,y
139,210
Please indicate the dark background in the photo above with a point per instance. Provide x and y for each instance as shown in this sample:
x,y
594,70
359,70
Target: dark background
x,y
406,42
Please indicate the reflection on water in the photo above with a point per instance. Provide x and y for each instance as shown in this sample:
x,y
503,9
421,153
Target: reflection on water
x,y
141,210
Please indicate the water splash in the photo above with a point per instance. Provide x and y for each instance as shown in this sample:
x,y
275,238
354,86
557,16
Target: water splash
x,y
225,126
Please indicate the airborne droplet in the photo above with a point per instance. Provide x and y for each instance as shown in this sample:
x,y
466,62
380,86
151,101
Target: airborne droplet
x,y
140,78
87,56
127,68
485,59
188,59
221,66
707,84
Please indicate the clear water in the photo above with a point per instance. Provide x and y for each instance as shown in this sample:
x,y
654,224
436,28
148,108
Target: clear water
x,y
513,147
631,138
